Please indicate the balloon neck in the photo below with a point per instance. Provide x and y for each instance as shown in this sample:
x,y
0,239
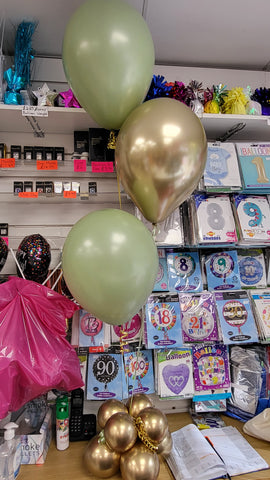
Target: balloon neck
x,y
112,141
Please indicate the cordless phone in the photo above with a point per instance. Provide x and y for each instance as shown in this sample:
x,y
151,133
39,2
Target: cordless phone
x,y
81,427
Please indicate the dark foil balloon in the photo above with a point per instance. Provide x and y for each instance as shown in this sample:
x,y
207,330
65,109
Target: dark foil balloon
x,y
34,257
3,252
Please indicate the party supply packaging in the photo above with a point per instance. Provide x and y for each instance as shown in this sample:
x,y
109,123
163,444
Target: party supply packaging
x,y
129,332
184,272
261,302
163,321
175,373
255,166
93,333
222,271
105,376
211,367
236,317
214,219
253,218
198,317
252,268
139,372
166,233
221,171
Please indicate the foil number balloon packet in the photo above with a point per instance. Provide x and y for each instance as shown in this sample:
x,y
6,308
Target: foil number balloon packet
x,y
222,170
215,221
198,317
184,272
253,216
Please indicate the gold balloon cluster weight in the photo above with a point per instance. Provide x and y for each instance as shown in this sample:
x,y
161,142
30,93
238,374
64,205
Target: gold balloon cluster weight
x,y
143,435
112,140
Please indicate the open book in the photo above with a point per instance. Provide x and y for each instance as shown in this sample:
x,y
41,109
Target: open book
x,y
193,456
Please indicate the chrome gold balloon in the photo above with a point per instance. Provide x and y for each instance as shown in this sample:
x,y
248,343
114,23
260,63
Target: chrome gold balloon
x,y
139,463
107,409
136,403
160,155
164,448
99,460
120,432
155,424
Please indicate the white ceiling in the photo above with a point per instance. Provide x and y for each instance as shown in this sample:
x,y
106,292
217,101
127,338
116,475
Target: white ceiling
x,y
232,34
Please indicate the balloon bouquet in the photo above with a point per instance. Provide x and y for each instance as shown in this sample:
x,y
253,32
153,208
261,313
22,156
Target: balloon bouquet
x,y
110,259
131,438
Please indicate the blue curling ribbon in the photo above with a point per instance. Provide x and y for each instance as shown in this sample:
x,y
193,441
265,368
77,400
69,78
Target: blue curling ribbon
x,y
158,88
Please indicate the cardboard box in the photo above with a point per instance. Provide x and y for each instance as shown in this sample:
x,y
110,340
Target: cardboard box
x,y
35,445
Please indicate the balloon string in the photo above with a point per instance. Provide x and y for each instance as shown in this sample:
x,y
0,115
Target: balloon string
x,y
137,357
119,192
17,263
154,231
123,343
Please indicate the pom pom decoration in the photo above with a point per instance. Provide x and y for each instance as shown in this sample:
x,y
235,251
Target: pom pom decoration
x,y
262,95
235,102
214,105
252,107
179,92
195,96
158,88
129,443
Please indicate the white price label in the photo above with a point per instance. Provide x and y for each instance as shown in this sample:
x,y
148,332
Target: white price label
x,y
34,111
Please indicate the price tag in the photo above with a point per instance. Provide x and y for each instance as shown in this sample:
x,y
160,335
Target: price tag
x,y
102,167
79,165
69,194
47,165
28,194
7,162
34,111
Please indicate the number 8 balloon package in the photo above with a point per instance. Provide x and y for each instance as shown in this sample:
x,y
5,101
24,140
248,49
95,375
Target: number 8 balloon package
x,y
214,220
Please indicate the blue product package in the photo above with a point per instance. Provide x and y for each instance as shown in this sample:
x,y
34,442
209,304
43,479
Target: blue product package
x,y
184,272
236,318
222,271
255,166
198,317
91,332
163,321
104,376
139,372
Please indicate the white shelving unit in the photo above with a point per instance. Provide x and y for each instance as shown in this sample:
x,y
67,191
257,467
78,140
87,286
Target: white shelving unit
x,y
53,216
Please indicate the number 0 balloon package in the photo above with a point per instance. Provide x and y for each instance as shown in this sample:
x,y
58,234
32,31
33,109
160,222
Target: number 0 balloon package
x,y
34,353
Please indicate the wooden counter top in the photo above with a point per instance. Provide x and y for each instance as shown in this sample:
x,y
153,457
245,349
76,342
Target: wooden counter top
x,y
68,465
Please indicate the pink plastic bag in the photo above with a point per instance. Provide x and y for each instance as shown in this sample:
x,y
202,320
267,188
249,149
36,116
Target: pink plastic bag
x,y
34,353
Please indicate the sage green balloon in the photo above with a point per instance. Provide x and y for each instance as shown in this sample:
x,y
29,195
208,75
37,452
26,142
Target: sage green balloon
x,y
108,58
110,264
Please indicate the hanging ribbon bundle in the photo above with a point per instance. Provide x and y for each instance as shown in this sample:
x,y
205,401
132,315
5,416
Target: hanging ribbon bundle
x,y
18,77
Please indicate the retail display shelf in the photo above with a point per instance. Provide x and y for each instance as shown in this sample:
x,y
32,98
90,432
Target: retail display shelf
x,y
61,120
